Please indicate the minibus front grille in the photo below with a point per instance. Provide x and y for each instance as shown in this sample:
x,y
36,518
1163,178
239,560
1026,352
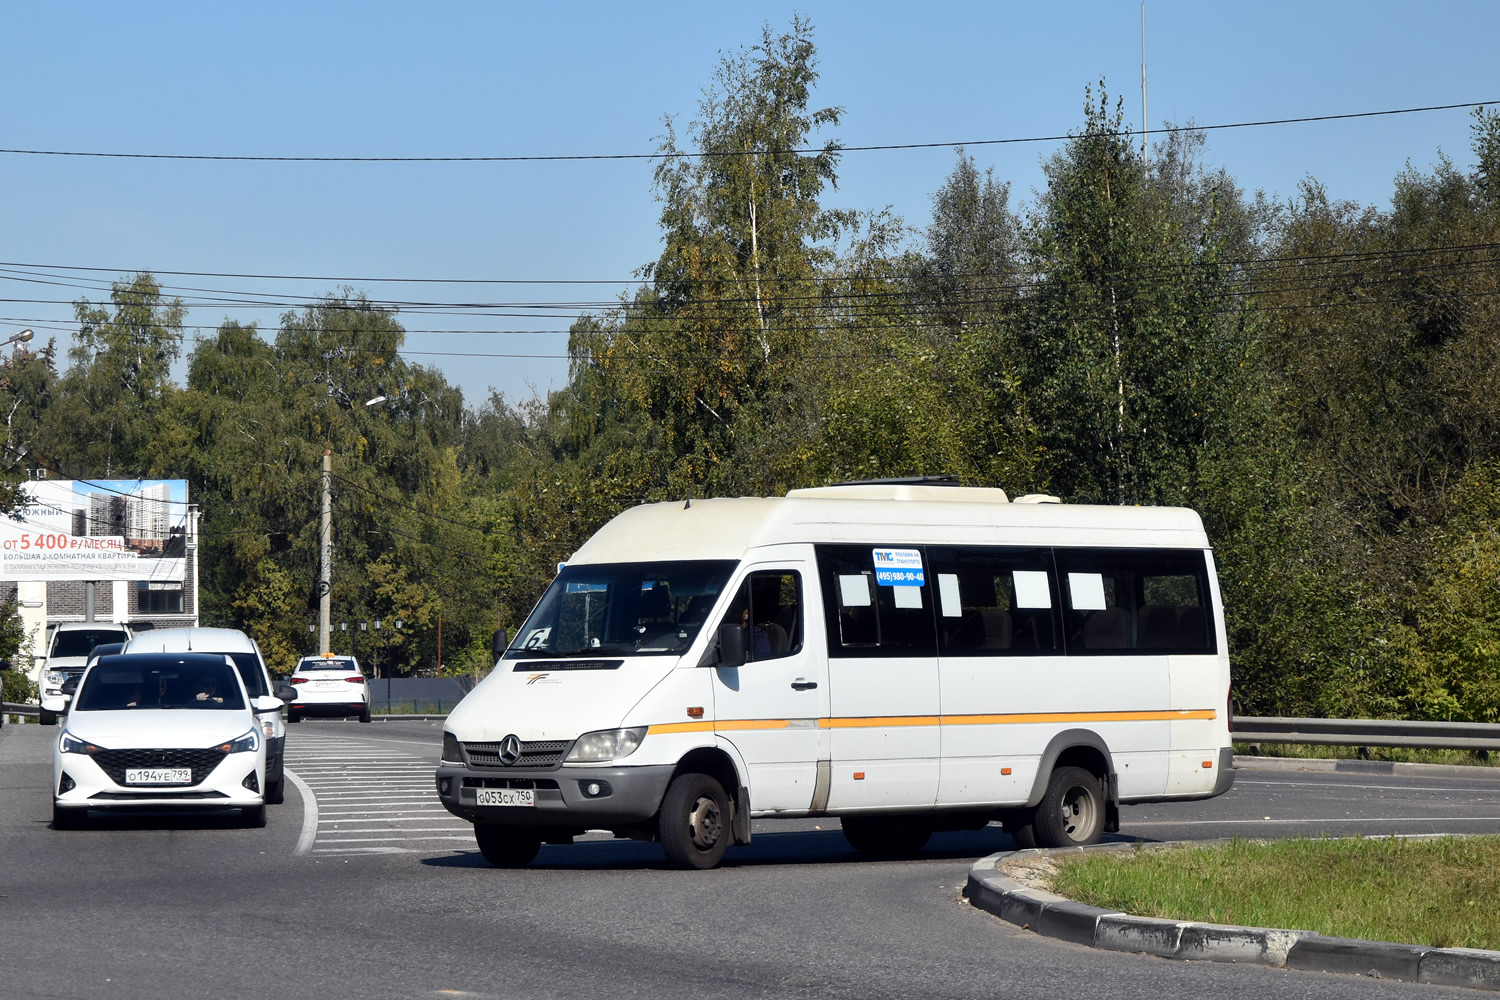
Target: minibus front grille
x,y
544,754
536,783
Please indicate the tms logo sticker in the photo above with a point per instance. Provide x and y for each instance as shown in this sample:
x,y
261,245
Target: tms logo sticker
x,y
542,679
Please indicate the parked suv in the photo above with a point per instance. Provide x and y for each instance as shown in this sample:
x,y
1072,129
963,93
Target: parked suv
x,y
329,685
68,653
245,653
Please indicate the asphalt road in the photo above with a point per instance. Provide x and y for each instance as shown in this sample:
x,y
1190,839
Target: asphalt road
x,y
372,892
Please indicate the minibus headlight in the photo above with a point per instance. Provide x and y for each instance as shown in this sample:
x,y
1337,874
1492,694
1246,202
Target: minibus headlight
x,y
610,744
451,753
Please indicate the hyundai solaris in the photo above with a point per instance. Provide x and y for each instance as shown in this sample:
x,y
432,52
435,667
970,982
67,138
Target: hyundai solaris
x,y
159,731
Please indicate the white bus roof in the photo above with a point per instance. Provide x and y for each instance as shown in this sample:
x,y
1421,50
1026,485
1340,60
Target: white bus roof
x,y
879,514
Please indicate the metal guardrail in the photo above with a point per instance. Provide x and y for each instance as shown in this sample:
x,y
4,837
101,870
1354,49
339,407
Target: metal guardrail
x,y
1368,733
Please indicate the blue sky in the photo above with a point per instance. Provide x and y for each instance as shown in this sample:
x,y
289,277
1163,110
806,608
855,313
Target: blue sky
x,y
495,79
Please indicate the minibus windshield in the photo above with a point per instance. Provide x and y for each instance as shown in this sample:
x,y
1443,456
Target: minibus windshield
x,y
623,609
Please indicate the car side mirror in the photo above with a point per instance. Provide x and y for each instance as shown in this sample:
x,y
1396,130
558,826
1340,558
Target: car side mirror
x,y
70,686
286,692
265,703
499,642
731,646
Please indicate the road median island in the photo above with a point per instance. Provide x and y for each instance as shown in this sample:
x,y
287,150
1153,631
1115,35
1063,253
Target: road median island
x,y
1012,886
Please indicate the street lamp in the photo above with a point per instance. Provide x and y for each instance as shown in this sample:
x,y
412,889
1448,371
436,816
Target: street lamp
x,y
23,336
325,574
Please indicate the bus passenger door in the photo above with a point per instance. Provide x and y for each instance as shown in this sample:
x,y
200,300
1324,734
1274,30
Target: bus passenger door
x,y
885,732
770,707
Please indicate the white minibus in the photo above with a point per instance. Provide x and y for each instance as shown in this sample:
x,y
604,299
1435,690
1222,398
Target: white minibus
x,y
907,657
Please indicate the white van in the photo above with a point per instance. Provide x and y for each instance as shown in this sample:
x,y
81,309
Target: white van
x,y
68,651
267,699
908,658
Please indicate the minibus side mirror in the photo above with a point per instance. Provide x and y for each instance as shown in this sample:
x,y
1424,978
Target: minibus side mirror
x,y
499,643
731,646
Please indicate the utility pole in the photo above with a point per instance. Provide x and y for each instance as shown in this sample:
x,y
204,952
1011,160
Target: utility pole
x,y
1145,122
325,575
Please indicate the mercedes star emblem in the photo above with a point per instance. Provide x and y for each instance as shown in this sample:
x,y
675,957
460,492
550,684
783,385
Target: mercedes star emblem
x,y
510,750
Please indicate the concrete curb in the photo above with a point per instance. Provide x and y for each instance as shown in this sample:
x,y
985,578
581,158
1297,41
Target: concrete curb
x,y
1054,916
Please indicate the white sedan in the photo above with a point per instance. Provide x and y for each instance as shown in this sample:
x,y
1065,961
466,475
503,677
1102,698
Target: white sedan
x,y
159,731
329,685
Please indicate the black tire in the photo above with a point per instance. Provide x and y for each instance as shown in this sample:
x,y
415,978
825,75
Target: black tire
x,y
694,822
46,718
886,836
506,846
364,715
293,717
1071,813
276,792
253,816
64,818
1024,836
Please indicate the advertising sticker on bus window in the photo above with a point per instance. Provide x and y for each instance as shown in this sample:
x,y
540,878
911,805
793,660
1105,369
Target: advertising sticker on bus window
x,y
898,568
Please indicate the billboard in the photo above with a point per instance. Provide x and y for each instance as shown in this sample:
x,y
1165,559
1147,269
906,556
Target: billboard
x,y
109,529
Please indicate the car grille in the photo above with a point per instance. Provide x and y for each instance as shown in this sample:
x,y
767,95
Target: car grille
x,y
114,762
542,754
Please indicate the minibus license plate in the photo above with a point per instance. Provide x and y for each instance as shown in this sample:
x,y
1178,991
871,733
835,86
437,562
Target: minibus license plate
x,y
158,776
506,797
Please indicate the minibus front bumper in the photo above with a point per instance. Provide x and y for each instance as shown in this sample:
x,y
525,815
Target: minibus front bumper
x,y
563,798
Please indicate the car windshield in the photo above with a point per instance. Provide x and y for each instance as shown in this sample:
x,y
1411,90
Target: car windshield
x,y
327,663
142,681
623,609
81,641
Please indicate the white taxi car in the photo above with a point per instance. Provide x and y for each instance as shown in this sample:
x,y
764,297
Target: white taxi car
x,y
159,731
329,685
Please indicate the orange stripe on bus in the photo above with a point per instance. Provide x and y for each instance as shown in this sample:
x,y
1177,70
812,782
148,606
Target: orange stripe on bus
x,y
898,721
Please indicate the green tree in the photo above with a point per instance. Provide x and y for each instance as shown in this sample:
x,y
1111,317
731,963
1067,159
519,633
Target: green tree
x,y
109,414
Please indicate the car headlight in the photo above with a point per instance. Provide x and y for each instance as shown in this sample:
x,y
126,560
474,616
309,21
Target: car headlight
x,y
608,744
451,753
268,726
248,743
68,743
56,677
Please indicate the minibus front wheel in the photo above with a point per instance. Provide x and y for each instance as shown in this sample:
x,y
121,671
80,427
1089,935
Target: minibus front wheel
x,y
695,822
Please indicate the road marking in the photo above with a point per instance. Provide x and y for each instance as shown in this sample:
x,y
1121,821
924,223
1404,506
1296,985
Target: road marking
x,y
364,800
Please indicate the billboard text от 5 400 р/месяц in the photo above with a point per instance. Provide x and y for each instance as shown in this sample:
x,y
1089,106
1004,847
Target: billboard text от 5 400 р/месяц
x,y
113,529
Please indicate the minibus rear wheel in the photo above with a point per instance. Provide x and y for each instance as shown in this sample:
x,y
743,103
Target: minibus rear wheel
x,y
506,846
695,821
1071,813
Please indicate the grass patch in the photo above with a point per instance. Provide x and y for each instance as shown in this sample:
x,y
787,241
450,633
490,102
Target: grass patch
x,y
1468,758
1437,892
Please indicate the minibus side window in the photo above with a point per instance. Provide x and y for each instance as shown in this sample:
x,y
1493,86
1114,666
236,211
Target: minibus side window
x,y
995,601
768,608
1141,600
877,600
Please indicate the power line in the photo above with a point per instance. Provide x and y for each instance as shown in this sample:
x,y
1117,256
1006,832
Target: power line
x,y
731,154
